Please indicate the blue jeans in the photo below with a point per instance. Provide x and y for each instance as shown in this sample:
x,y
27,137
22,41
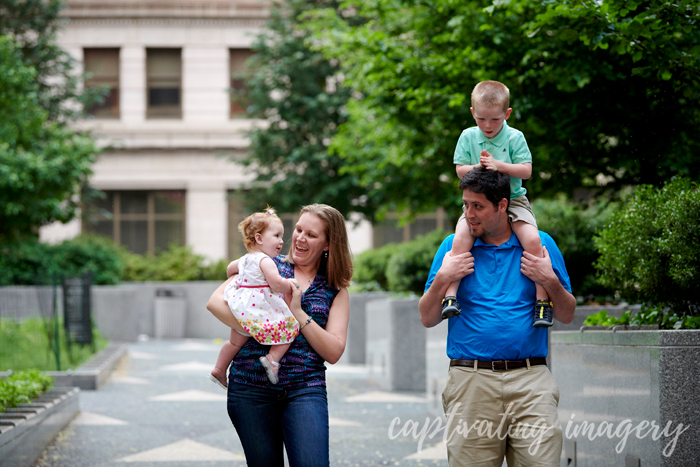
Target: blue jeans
x,y
267,419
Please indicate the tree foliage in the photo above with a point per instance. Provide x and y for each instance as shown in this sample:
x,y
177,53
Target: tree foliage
x,y
33,25
650,251
43,162
605,92
296,93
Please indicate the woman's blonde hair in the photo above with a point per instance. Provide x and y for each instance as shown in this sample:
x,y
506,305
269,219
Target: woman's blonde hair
x,y
338,266
256,224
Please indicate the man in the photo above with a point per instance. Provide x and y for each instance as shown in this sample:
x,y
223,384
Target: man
x,y
500,398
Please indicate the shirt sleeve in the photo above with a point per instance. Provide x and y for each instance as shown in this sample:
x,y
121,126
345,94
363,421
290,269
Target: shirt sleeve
x,y
557,260
437,260
519,151
462,152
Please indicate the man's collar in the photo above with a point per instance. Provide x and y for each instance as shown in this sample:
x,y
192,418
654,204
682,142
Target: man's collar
x,y
511,242
499,140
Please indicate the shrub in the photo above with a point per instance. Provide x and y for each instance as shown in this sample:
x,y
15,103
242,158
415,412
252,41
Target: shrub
x,y
573,227
177,263
23,386
408,268
93,253
646,316
369,270
30,262
25,262
650,251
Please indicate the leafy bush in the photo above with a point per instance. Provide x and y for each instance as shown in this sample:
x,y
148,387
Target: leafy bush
x,y
646,316
408,268
177,263
650,251
573,227
369,270
30,262
23,386
397,267
25,262
92,253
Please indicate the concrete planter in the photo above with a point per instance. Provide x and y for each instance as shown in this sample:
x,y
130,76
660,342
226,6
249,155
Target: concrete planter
x,y
355,347
617,382
395,347
27,430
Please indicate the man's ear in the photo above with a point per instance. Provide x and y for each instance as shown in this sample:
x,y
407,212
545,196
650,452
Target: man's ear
x,y
503,205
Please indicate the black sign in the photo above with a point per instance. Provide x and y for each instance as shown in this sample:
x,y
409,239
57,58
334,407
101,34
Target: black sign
x,y
77,308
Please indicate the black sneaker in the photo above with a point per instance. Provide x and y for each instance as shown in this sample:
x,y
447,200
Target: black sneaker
x,y
543,314
450,307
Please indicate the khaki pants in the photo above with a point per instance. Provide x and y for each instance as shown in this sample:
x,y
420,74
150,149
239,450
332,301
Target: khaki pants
x,y
497,414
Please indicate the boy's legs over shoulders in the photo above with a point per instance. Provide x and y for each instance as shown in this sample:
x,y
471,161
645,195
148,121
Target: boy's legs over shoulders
x,y
462,243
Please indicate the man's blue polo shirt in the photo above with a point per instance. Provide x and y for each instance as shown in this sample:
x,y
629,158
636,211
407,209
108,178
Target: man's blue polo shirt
x,y
497,303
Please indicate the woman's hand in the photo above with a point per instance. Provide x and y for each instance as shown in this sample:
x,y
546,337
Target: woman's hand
x,y
294,302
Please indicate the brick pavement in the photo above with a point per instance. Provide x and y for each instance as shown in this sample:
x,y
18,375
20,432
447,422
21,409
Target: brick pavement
x,y
158,409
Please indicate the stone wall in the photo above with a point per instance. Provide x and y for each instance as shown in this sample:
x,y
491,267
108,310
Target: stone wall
x,y
607,378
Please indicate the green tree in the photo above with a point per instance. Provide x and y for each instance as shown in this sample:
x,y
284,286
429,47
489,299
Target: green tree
x,y
43,162
604,96
297,92
33,25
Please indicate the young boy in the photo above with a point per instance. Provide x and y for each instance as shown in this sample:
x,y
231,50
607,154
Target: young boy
x,y
495,146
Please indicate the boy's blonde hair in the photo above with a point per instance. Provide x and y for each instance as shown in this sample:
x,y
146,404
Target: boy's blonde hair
x,y
256,224
491,94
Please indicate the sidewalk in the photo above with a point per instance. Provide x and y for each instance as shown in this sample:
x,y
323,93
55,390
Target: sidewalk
x,y
158,409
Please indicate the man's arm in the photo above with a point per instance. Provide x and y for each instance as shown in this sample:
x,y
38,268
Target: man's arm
x,y
540,270
453,268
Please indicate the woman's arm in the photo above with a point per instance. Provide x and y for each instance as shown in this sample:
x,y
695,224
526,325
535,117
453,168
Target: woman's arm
x,y
329,343
219,308
232,268
277,283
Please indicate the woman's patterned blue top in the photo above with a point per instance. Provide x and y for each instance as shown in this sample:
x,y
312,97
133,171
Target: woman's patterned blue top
x,y
301,366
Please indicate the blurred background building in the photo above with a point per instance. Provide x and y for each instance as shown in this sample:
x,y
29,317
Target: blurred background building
x,y
171,133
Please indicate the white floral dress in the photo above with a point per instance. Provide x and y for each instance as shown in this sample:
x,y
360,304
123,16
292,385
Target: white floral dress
x,y
261,311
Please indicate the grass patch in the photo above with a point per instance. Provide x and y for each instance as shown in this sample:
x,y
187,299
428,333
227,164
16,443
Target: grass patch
x,y
28,344
23,386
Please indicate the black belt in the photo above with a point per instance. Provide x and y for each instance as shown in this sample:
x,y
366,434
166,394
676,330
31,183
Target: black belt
x,y
499,365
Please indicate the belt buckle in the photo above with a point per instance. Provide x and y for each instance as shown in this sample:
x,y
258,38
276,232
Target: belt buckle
x,y
505,365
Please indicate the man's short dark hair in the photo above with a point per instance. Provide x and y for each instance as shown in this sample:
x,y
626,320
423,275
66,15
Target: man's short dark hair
x,y
494,185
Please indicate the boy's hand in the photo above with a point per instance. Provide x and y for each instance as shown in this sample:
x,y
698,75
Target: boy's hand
x,y
487,161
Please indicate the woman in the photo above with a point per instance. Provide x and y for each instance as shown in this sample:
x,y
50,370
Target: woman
x,y
294,413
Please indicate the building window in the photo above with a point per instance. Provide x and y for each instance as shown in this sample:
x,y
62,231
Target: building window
x,y
142,221
389,230
236,62
237,212
102,65
164,83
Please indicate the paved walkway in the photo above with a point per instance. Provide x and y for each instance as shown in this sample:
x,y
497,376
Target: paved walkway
x,y
158,409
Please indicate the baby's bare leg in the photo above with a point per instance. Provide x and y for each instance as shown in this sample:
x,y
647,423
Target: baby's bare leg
x,y
462,243
529,238
227,353
277,352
